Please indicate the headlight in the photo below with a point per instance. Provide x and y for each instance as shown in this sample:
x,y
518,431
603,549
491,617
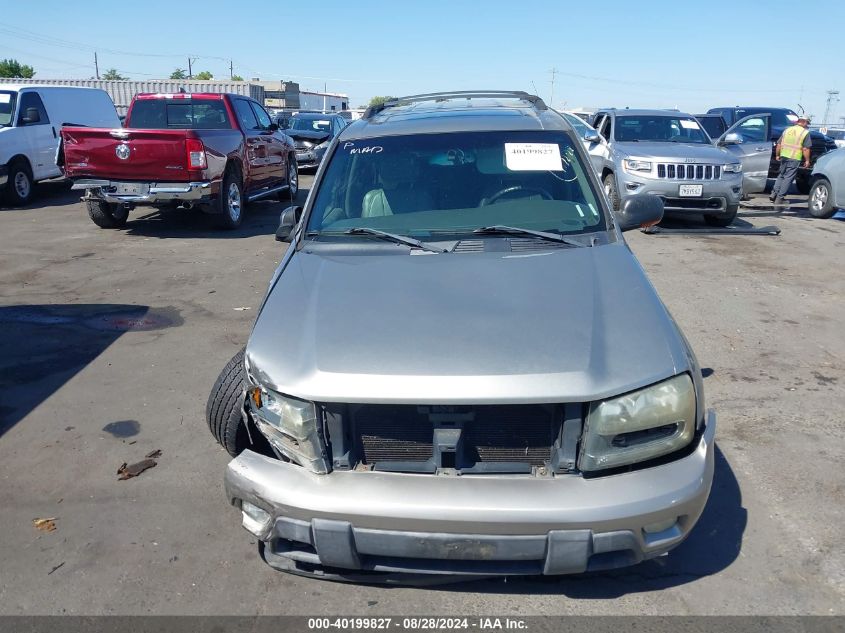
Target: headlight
x,y
636,165
291,426
733,168
640,425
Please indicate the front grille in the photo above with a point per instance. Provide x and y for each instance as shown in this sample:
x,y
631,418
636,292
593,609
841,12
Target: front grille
x,y
490,433
676,171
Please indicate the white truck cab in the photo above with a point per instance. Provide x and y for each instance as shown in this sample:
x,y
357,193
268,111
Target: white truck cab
x,y
30,119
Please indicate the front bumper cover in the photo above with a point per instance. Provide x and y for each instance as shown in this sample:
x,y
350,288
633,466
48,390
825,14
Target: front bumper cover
x,y
347,525
154,193
716,196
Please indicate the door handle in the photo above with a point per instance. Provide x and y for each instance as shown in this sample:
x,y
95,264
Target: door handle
x,y
761,149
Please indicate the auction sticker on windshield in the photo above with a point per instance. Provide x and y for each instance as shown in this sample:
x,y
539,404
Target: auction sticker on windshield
x,y
533,157
690,191
690,125
5,97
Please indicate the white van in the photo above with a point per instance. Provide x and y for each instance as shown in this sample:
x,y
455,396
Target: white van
x,y
30,119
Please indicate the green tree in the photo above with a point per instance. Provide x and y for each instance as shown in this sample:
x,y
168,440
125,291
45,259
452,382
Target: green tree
x,y
113,75
379,100
179,73
13,68
237,78
204,76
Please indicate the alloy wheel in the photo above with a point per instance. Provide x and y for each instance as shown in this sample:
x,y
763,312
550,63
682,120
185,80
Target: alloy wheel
x,y
819,197
22,185
234,202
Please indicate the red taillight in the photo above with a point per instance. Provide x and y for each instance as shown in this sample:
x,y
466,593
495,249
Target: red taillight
x,y
196,154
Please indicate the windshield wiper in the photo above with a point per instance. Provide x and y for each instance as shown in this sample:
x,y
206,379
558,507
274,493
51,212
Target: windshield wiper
x,y
392,237
499,229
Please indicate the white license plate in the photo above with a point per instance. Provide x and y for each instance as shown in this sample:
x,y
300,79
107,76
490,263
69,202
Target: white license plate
x,y
691,191
131,189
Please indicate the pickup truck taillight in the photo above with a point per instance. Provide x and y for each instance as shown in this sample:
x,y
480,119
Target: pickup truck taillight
x,y
196,154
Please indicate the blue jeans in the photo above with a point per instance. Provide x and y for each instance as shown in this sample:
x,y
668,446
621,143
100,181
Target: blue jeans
x,y
788,169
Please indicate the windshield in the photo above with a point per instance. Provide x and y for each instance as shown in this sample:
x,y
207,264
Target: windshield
x,y
838,135
310,124
7,107
182,114
437,184
780,117
660,128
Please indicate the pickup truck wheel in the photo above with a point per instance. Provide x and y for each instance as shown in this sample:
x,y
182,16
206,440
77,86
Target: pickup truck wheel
x,y
293,178
19,187
724,219
107,215
802,184
230,202
609,183
223,412
820,202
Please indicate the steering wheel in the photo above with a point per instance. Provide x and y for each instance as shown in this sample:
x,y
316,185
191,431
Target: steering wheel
x,y
503,192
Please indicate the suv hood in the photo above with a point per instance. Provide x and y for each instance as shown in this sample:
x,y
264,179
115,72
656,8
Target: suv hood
x,y
480,328
308,135
675,152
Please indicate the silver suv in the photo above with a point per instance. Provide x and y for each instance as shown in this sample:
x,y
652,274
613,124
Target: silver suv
x,y
667,154
460,367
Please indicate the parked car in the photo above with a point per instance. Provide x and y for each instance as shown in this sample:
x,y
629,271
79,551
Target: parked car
x,y
667,154
827,193
838,136
460,367
312,133
206,150
781,118
588,135
30,120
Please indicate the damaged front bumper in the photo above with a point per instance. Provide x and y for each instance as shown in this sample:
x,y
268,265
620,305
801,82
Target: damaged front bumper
x,y
346,524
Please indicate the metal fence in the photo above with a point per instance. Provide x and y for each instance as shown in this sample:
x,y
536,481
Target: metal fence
x,y
122,92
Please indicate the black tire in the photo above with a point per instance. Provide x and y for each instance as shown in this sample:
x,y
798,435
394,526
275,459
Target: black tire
x,y
802,184
292,180
724,219
19,187
819,202
609,182
107,215
223,410
228,213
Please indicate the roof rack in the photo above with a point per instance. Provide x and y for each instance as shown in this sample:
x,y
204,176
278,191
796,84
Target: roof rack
x,y
534,100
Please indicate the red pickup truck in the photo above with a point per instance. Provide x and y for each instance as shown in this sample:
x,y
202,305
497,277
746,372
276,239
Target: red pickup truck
x,y
205,150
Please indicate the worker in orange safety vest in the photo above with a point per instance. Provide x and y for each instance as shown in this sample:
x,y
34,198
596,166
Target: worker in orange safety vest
x,y
794,144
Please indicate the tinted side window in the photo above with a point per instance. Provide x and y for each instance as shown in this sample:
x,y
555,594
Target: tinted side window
x,y
245,115
32,100
261,114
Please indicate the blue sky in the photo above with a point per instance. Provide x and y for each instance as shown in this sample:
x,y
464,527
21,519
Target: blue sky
x,y
689,55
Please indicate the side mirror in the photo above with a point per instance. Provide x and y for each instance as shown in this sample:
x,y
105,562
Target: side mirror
x,y
287,221
592,136
732,139
273,127
640,211
31,116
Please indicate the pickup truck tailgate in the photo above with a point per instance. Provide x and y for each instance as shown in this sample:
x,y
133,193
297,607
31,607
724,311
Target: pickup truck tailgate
x,y
152,155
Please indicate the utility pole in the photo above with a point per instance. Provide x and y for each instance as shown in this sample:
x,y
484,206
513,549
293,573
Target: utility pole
x,y
96,65
552,97
231,70
190,73
832,97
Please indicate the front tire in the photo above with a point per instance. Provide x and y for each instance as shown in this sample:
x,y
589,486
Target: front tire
x,y
723,220
223,410
611,191
19,187
107,215
820,202
230,202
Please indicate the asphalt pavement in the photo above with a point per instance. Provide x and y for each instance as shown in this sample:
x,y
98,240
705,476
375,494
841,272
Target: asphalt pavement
x,y
111,341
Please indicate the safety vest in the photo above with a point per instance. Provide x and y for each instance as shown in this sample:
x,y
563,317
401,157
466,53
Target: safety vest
x,y
792,142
